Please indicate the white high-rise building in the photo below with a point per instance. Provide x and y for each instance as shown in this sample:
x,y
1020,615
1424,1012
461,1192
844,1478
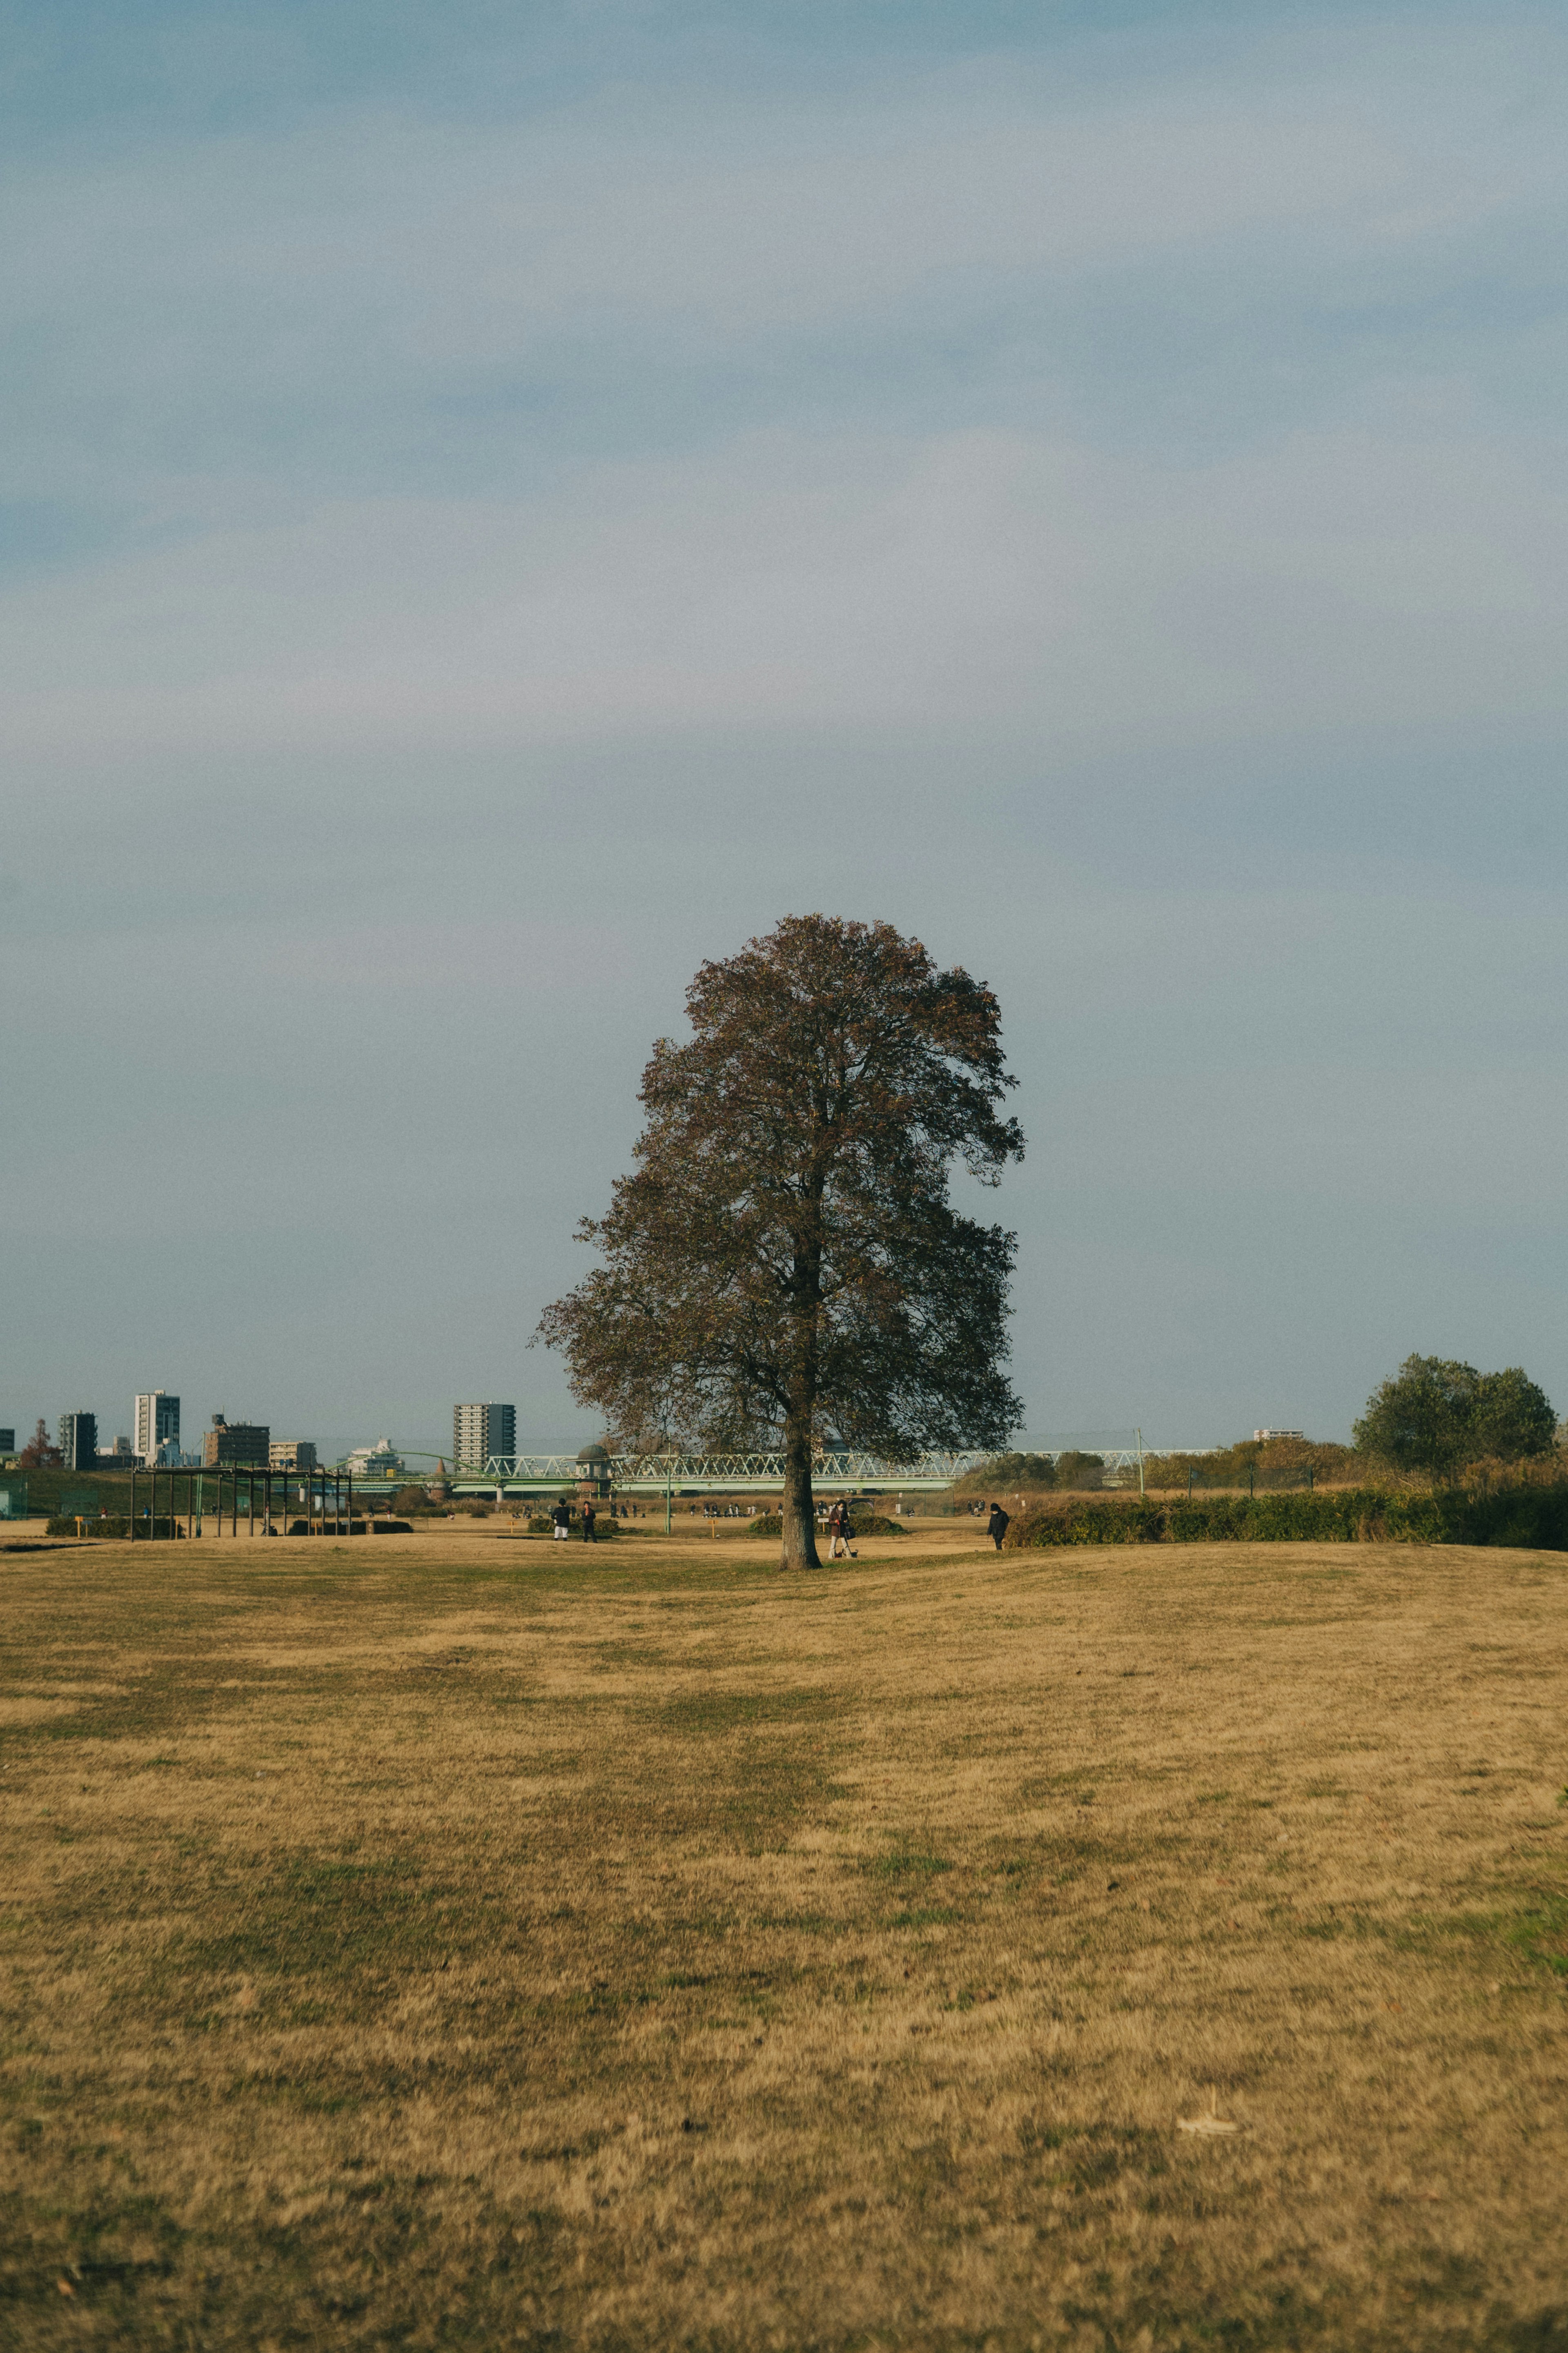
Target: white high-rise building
x,y
480,1431
156,1427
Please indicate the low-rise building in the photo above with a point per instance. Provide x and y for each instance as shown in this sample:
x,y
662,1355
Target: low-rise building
x,y
378,1462
1265,1435
236,1442
292,1454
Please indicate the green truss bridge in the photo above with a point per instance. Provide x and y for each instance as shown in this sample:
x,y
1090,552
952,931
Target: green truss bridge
x,y
731,1474
709,1474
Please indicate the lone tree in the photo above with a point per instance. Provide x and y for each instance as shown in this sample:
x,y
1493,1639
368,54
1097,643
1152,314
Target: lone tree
x,y
40,1452
784,1260
1436,1415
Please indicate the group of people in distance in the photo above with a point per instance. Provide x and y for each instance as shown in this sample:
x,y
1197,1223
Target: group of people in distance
x,y
839,1527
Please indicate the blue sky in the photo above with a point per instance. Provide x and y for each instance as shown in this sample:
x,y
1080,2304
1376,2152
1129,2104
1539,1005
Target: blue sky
x,y
499,505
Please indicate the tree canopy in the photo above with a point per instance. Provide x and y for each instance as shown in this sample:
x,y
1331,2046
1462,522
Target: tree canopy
x,y
40,1452
783,1260
1436,1414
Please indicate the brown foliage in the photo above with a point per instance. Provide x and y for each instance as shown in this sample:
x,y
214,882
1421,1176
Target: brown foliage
x,y
784,1258
40,1452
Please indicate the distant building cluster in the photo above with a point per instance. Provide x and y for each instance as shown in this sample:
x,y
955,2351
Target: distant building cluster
x,y
479,1432
1266,1434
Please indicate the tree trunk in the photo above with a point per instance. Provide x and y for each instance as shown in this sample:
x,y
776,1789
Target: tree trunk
x,y
799,1518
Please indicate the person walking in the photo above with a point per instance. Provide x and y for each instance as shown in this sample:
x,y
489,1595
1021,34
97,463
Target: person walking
x,y
839,1523
589,1516
997,1525
562,1516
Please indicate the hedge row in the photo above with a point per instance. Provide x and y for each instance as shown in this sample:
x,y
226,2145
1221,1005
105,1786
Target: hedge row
x,y
1533,1518
861,1524
110,1524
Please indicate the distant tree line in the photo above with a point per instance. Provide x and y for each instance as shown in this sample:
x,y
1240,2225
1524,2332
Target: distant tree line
x,y
1434,1417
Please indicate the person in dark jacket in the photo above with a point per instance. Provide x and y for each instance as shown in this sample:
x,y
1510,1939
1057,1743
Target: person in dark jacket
x,y
589,1517
562,1516
997,1525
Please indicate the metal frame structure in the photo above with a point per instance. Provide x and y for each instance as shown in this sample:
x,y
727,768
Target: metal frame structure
x,y
260,1481
711,1473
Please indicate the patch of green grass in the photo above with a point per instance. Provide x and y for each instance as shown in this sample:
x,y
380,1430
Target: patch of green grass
x,y
1539,1931
904,1863
713,1712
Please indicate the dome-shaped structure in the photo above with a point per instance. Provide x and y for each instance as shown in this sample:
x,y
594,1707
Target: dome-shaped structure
x,y
593,1472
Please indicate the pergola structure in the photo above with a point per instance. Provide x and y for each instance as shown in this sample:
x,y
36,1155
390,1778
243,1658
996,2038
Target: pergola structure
x,y
326,1498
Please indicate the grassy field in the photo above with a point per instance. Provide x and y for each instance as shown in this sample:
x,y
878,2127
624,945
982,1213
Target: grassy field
x,y
438,1942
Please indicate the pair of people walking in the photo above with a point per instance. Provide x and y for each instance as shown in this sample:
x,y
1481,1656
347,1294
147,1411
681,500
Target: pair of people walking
x,y
840,1531
562,1516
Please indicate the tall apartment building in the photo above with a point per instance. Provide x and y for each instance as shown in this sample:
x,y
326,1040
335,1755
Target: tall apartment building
x,y
78,1440
292,1454
155,1424
480,1431
236,1442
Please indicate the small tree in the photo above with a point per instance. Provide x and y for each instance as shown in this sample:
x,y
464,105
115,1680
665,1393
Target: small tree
x,y
1421,1419
1513,1418
1007,1473
784,1260
1084,1471
1436,1415
40,1453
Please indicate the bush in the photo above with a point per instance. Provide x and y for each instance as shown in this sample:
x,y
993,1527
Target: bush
x,y
1530,1517
861,1524
112,1523
413,1503
1135,1522
1008,1474
1252,1462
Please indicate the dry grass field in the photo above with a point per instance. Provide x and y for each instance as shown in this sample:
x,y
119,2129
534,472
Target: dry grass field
x,y
438,1942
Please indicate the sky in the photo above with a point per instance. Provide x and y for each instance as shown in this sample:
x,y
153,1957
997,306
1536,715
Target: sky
x,y
499,505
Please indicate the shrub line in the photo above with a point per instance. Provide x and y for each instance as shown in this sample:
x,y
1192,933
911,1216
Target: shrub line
x,y
1531,1518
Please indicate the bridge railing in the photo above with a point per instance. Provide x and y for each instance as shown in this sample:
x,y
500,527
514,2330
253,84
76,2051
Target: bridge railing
x,y
695,1470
